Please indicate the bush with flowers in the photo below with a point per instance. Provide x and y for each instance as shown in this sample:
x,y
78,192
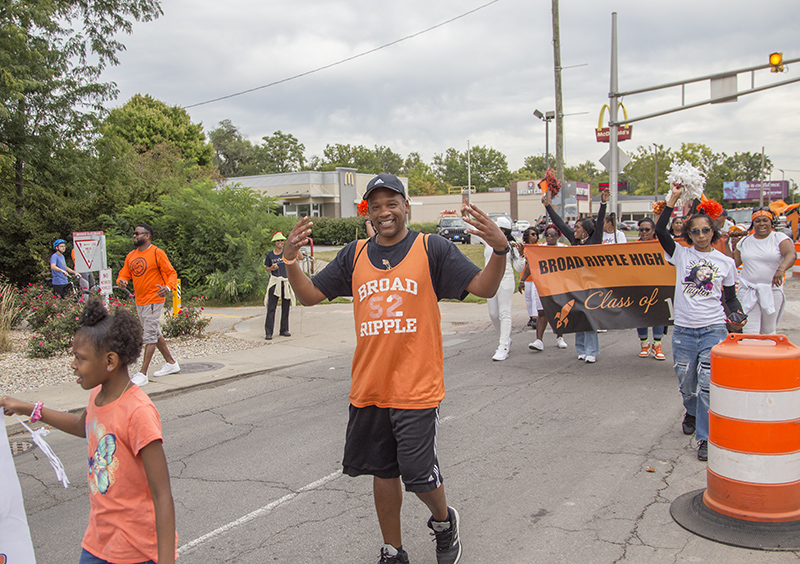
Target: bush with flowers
x,y
187,321
53,320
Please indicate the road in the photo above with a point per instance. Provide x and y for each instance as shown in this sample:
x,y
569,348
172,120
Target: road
x,y
545,457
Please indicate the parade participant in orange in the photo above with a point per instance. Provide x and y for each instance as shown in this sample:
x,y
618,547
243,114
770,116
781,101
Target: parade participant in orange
x,y
396,279
153,280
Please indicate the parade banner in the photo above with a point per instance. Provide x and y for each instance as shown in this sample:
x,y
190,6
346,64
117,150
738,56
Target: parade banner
x,y
619,286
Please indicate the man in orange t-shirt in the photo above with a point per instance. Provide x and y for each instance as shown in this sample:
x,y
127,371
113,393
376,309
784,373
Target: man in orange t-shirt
x,y
153,280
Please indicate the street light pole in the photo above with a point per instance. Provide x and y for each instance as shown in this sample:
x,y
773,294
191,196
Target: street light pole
x,y
547,117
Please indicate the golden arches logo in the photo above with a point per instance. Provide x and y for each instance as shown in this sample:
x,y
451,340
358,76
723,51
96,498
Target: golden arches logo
x,y
349,179
603,134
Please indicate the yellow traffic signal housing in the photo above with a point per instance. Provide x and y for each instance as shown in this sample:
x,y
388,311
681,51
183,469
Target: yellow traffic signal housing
x,y
776,62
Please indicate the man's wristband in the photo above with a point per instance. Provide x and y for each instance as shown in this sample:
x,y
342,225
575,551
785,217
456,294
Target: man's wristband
x,y
503,252
285,261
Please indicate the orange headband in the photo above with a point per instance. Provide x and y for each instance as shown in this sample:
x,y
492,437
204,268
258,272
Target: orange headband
x,y
760,213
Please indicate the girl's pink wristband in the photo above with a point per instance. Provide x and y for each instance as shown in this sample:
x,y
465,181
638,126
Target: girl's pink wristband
x,y
36,414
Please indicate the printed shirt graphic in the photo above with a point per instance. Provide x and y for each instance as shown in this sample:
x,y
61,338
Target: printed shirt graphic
x,y
698,286
122,522
398,360
147,271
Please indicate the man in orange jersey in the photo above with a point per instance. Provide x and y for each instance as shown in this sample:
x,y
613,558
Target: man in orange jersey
x,y
153,280
396,278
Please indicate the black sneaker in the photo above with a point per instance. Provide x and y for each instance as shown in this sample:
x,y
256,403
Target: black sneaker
x,y
702,450
400,558
448,544
688,424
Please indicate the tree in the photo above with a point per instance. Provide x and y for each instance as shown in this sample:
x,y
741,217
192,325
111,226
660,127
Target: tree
x,y
421,179
145,122
51,56
233,154
281,152
488,166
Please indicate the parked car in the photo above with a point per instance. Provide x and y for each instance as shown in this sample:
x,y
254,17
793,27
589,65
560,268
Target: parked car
x,y
522,225
629,225
453,228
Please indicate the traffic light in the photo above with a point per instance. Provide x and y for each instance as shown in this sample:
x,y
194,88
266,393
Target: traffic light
x,y
776,62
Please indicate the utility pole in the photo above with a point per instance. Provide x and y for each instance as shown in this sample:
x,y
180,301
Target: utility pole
x,y
761,180
655,166
559,102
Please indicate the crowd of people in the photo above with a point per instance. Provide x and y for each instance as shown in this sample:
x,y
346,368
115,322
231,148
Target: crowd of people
x,y
396,278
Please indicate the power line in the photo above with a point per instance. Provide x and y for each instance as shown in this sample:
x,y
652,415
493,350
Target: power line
x,y
395,42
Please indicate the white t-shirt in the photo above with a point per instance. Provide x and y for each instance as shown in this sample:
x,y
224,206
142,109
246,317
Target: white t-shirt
x,y
699,278
761,257
616,237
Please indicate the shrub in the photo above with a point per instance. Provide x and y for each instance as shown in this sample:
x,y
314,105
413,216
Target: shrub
x,y
187,321
10,314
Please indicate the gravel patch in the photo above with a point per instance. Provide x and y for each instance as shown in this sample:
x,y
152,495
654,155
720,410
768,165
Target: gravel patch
x,y
18,373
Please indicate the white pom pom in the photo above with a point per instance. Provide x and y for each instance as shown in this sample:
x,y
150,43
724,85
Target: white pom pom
x,y
690,177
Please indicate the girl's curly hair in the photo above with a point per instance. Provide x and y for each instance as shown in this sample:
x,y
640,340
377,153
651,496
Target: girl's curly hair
x,y
120,333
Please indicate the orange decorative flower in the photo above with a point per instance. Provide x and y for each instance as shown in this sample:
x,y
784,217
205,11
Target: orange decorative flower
x,y
658,207
711,208
363,207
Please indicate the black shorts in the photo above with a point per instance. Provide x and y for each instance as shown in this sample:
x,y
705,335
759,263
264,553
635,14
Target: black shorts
x,y
391,443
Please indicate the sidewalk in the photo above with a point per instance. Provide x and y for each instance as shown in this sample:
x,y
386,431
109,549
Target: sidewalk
x,y
318,332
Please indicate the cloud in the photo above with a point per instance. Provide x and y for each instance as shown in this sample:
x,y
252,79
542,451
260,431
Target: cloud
x,y
478,78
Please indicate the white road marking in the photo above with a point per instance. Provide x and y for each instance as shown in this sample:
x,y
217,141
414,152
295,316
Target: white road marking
x,y
257,513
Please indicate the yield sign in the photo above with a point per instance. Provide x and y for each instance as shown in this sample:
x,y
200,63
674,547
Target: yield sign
x,y
90,250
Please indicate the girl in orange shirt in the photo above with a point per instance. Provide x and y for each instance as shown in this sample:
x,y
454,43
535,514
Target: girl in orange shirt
x,y
132,517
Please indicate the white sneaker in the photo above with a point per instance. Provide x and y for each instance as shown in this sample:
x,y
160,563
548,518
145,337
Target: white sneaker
x,y
561,343
168,369
590,359
140,379
537,345
581,357
501,353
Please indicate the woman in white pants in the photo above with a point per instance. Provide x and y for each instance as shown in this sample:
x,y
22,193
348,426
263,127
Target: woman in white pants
x,y
765,256
500,303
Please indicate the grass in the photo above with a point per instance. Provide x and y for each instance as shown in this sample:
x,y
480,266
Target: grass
x,y
9,315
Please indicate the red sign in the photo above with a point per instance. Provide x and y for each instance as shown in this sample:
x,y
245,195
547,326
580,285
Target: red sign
x,y
622,186
624,133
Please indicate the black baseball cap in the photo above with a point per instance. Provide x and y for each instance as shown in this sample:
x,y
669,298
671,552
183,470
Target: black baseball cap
x,y
389,181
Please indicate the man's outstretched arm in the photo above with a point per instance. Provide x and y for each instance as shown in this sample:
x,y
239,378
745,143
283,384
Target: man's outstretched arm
x,y
485,283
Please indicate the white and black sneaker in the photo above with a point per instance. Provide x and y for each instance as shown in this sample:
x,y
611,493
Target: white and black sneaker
x,y
448,543
392,555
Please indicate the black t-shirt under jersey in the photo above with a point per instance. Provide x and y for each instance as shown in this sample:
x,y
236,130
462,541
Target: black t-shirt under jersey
x,y
451,271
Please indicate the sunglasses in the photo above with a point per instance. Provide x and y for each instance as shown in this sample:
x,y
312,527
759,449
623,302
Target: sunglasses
x,y
704,231
551,234
644,229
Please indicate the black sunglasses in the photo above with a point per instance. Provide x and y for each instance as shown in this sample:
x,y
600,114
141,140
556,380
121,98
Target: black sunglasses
x,y
645,229
704,230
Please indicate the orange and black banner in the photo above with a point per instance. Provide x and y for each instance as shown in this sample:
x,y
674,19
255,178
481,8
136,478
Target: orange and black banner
x,y
618,286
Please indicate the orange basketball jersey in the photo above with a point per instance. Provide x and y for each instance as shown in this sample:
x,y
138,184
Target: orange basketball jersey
x,y
398,360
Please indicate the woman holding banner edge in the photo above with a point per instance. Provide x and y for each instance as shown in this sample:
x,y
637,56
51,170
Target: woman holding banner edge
x,y
586,232
699,314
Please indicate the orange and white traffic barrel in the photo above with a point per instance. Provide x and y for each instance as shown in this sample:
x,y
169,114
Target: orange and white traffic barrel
x,y
752,498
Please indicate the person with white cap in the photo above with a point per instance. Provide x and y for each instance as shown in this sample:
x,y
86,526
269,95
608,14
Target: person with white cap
x,y
500,303
278,287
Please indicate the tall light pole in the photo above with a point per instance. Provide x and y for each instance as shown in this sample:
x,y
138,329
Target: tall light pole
x,y
547,117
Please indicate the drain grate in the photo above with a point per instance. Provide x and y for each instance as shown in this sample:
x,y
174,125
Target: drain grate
x,y
195,367
18,447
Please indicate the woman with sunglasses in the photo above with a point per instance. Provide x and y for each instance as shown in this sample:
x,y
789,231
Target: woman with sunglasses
x,y
765,256
647,232
704,278
586,232
532,300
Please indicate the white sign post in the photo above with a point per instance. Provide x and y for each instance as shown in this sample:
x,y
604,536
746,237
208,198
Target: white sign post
x,y
90,251
106,284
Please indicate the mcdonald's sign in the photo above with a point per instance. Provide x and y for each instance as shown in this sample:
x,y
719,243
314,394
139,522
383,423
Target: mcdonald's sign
x,y
349,179
603,134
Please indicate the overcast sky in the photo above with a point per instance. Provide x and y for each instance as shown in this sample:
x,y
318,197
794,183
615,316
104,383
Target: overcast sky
x,y
478,78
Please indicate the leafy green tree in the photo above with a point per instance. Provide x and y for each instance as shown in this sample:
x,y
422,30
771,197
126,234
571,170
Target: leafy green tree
x,y
145,122
281,152
421,179
488,166
51,56
233,154
747,166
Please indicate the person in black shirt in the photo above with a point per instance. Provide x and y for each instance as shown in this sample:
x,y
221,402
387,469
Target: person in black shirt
x,y
278,288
